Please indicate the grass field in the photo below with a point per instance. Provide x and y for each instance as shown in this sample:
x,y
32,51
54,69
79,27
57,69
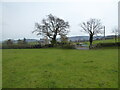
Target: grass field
x,y
102,41
60,68
0,69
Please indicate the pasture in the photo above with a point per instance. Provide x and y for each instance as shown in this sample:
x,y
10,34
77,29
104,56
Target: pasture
x,y
0,68
102,41
60,68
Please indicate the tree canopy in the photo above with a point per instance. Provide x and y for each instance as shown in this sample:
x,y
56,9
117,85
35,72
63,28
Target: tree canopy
x,y
51,27
92,27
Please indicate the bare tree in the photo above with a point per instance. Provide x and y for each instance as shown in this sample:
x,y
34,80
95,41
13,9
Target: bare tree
x,y
51,27
64,38
115,31
92,27
9,42
24,41
19,42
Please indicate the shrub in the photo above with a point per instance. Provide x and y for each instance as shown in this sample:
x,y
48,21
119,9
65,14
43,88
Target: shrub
x,y
47,46
19,46
68,46
100,45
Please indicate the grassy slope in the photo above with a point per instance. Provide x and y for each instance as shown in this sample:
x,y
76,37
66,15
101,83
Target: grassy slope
x,y
0,68
102,41
60,68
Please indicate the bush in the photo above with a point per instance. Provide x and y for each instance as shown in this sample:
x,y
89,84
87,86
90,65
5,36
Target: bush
x,y
20,46
100,45
65,45
68,46
47,46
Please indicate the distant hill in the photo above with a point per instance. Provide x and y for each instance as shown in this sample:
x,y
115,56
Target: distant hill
x,y
86,38
32,40
27,40
76,38
73,38
82,38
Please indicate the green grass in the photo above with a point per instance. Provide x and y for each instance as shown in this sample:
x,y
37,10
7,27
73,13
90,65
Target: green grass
x,y
102,41
0,68
33,43
60,68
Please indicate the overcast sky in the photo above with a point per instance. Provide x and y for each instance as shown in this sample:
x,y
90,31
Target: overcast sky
x,y
18,18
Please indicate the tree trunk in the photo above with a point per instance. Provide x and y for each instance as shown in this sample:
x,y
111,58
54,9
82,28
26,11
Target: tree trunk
x,y
53,42
90,40
115,38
